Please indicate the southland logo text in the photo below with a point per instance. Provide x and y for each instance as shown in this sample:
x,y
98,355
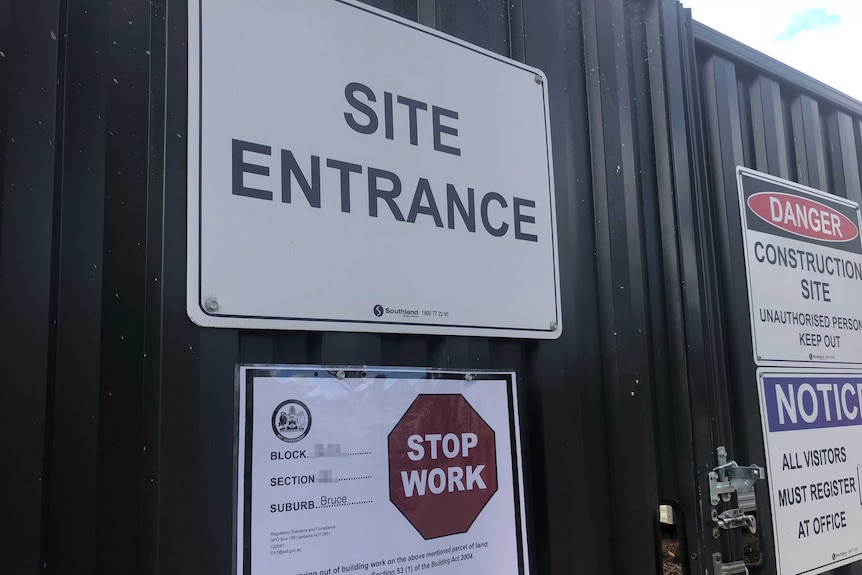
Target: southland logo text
x,y
379,311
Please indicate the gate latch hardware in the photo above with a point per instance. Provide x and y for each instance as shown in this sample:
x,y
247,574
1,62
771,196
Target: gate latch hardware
x,y
733,568
734,519
729,476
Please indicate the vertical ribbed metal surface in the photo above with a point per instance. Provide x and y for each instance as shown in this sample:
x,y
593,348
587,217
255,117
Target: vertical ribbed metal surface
x,y
616,90
122,411
689,415
128,409
28,110
565,407
81,235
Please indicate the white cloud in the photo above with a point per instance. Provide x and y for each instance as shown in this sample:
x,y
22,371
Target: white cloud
x,y
830,53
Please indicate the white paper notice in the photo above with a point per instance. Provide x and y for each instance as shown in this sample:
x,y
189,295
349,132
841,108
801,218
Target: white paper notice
x,y
378,472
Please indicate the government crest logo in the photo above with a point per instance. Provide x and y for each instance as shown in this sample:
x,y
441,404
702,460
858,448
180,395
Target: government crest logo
x,y
291,420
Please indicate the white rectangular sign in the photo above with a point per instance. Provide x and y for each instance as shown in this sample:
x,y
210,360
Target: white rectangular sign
x,y
378,471
803,255
812,431
351,170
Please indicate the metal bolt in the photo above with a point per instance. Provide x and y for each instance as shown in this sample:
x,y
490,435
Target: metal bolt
x,y
716,533
468,376
554,326
340,374
211,305
539,79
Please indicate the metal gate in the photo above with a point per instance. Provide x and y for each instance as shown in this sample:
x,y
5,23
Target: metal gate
x,y
761,114
116,412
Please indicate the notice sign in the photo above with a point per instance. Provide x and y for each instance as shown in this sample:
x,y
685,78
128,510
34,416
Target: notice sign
x,y
812,431
351,170
375,472
803,255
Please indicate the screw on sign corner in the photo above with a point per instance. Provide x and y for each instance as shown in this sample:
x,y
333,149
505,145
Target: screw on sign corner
x,y
442,465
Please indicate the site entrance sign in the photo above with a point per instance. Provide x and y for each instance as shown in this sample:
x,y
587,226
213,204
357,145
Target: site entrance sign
x,y
351,170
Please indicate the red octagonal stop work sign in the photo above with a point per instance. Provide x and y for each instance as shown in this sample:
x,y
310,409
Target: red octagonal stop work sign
x,y
442,465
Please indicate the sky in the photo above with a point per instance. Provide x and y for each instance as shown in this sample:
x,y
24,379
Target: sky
x,y
822,38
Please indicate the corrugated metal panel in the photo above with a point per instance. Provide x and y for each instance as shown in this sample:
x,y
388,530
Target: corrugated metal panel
x,y
126,409
137,403
28,100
